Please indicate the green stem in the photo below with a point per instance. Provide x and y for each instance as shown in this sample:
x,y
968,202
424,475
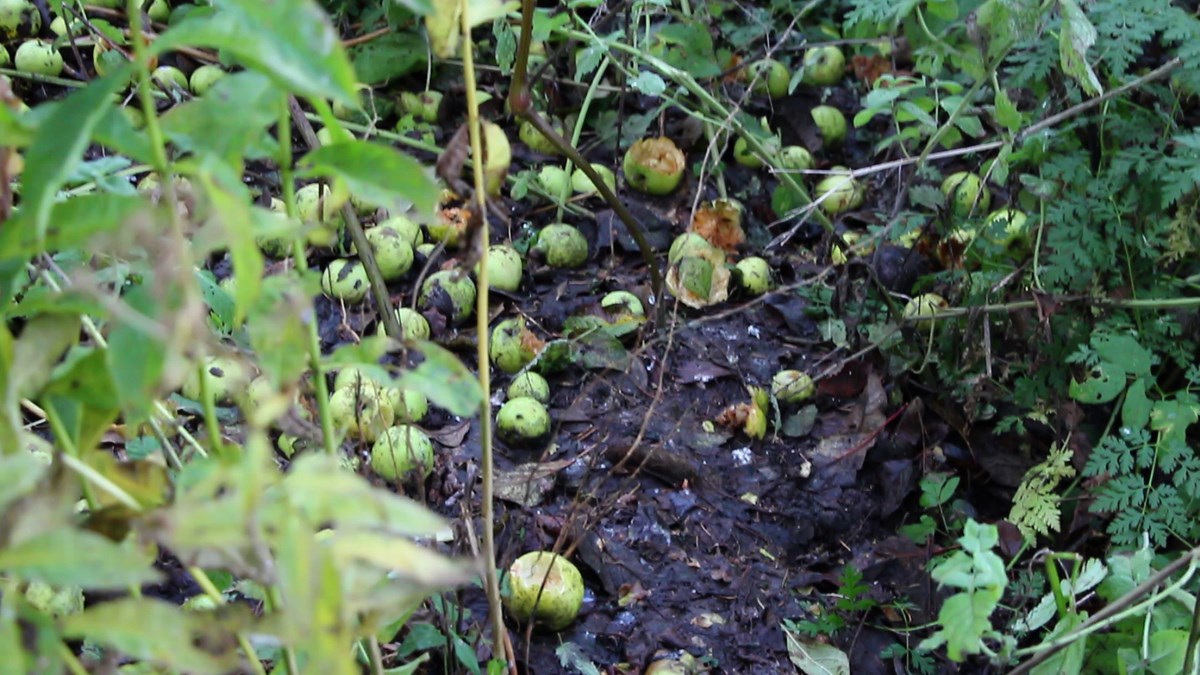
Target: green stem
x,y
577,133
215,440
299,256
487,470
70,452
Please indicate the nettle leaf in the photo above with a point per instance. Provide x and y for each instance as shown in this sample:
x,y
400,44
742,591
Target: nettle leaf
x,y
136,359
379,174
291,41
70,557
58,147
1105,382
1007,114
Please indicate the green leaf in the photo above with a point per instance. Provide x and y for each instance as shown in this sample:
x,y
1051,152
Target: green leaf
x,y
444,379
75,221
1168,650
58,148
19,473
136,359
1007,114
71,557
230,121
115,132
377,173
1172,418
160,632
1077,36
346,500
1105,382
648,83
43,342
814,657
402,558
388,57
1125,351
1135,410
964,619
232,215
291,41
1069,660
418,7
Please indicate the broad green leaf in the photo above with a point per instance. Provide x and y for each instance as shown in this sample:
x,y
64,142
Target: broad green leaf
x,y
136,359
160,632
403,558
42,343
1168,649
346,500
19,473
279,332
70,557
147,482
964,619
83,376
389,56
232,216
814,657
1104,383
444,380
1125,351
75,221
291,41
1135,410
648,83
58,148
418,7
116,132
1077,36
1069,660
1171,419
230,121
377,173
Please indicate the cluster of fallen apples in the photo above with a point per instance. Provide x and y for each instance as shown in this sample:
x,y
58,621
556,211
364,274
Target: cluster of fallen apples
x,y
543,586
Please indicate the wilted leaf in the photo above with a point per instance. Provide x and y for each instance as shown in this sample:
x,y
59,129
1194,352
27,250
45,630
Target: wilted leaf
x,y
154,630
816,658
71,557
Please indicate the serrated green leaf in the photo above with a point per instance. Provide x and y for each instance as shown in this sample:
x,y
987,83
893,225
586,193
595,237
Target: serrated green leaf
x,y
58,148
70,557
162,633
443,378
1104,383
1007,114
291,41
377,173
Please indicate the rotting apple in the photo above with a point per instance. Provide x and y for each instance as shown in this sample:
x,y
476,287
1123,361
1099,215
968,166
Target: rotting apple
x,y
921,309
513,345
38,57
770,77
204,77
754,275
792,386
449,292
544,587
362,411
505,268
654,166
